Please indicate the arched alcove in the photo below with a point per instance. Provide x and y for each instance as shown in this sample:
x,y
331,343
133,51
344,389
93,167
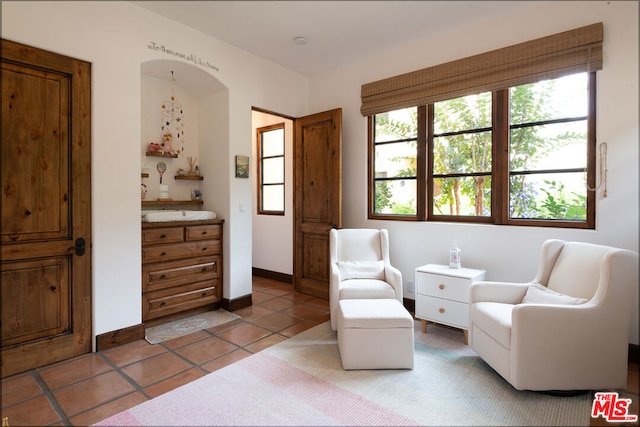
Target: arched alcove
x,y
204,100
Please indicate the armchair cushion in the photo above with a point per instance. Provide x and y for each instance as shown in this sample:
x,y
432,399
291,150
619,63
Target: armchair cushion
x,y
361,270
366,289
539,294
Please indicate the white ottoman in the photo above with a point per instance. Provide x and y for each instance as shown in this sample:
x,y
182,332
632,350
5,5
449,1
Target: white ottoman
x,y
375,334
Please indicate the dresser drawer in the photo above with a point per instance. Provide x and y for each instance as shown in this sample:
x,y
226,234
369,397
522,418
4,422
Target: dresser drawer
x,y
162,235
180,250
203,232
166,274
441,286
444,311
177,299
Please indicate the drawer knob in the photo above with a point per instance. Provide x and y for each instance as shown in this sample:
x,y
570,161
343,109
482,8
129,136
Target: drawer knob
x,y
204,249
204,233
163,276
162,236
163,254
441,286
441,310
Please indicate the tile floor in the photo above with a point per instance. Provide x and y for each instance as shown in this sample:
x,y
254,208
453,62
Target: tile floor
x,y
89,388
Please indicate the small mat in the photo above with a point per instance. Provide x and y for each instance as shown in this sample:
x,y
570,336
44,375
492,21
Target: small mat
x,y
188,325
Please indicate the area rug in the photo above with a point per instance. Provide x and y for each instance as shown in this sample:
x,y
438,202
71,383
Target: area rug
x,y
300,382
188,325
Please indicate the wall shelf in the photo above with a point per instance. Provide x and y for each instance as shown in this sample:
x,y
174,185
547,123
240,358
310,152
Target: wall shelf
x,y
156,154
189,177
171,202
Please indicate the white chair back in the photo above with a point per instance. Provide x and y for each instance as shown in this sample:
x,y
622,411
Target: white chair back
x,y
577,269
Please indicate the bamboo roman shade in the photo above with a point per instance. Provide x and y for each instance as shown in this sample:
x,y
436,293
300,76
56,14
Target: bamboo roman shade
x,y
553,56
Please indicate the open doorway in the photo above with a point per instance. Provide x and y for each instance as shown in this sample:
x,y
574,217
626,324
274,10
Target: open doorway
x,y
272,234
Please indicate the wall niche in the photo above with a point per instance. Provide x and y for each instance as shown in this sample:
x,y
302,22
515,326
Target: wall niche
x,y
198,132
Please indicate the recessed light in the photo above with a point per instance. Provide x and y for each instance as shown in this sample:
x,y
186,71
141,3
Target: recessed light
x,y
301,40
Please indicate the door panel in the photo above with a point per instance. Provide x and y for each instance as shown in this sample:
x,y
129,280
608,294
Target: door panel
x,y
46,207
318,197
35,180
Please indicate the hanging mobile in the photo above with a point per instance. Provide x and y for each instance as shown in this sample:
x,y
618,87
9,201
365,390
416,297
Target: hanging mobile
x,y
162,166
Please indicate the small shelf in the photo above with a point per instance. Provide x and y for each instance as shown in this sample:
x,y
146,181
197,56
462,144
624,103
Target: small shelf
x,y
171,202
156,154
189,177
144,175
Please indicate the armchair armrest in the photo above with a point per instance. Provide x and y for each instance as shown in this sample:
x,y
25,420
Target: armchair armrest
x,y
582,332
393,276
503,292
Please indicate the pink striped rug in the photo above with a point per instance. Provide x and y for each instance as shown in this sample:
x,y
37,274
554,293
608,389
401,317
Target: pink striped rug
x,y
300,382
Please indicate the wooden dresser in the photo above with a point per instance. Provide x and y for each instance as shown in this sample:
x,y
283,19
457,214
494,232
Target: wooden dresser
x,y
181,266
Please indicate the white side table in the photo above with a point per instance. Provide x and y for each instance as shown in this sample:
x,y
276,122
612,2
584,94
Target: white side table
x,y
442,295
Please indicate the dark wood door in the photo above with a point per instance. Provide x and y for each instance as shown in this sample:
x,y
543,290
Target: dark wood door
x,y
317,198
46,207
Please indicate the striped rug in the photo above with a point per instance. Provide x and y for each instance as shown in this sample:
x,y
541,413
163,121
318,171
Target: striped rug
x,y
300,382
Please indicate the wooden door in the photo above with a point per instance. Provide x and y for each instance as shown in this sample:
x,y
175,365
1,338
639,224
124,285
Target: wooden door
x,y
46,207
317,198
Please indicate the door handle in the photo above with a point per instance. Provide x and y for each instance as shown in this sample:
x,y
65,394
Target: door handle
x,y
80,246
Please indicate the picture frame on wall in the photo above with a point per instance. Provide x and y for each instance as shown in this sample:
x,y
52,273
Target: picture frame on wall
x,y
242,166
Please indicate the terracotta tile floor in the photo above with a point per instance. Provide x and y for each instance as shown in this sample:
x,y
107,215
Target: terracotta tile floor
x,y
89,388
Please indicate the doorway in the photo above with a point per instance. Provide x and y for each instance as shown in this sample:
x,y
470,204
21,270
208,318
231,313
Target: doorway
x,y
315,197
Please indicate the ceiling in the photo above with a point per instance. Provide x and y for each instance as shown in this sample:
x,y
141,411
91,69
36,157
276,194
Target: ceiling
x,y
338,32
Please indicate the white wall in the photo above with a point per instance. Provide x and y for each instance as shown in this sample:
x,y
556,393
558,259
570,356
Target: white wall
x,y
273,234
507,253
114,37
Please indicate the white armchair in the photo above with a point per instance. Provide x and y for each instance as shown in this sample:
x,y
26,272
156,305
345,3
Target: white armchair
x,y
568,329
360,267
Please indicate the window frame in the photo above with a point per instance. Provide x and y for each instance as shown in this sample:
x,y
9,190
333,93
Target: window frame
x,y
260,182
500,173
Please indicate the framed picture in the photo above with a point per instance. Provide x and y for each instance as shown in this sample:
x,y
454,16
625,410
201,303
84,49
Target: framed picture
x,y
242,166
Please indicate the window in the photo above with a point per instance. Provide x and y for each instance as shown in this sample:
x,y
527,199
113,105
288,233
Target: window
x,y
520,156
394,159
271,170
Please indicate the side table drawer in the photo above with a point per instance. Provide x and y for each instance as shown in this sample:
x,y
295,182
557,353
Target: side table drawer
x,y
436,285
447,312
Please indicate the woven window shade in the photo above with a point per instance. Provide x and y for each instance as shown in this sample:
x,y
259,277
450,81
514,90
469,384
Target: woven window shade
x,y
549,57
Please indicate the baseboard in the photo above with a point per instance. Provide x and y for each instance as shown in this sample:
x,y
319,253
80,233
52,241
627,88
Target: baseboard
x,y
236,304
274,275
119,337
634,353
409,304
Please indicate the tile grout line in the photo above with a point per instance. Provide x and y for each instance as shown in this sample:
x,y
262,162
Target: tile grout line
x,y
52,400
